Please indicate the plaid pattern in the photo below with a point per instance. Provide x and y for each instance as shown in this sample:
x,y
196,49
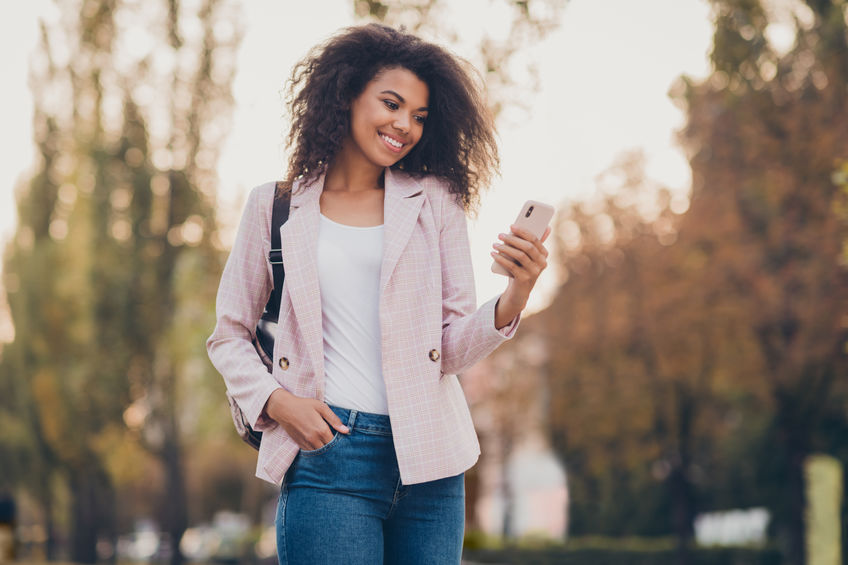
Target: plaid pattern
x,y
431,329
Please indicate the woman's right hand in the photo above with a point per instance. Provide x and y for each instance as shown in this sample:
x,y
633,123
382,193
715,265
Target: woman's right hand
x,y
307,421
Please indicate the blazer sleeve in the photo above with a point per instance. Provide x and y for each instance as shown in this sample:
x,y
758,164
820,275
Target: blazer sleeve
x,y
468,332
242,295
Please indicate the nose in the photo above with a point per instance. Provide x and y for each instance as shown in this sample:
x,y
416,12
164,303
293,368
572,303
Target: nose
x,y
401,122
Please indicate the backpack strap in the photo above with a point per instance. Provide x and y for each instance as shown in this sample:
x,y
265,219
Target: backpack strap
x,y
279,215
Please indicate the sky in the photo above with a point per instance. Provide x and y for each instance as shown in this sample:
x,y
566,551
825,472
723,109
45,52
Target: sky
x,y
604,77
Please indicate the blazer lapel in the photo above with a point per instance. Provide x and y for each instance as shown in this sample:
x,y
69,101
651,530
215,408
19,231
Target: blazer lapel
x,y
402,204
299,239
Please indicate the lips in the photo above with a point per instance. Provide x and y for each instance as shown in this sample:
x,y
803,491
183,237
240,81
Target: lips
x,y
392,143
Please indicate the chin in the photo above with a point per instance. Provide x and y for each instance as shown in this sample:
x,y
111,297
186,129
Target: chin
x,y
389,162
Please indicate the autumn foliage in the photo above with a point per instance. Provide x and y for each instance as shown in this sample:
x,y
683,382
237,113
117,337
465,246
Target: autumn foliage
x,y
698,356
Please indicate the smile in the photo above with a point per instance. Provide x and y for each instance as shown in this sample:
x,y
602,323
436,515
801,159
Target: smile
x,y
393,144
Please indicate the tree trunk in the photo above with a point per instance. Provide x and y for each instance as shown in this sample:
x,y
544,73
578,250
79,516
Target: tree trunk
x,y
682,512
84,523
175,514
794,438
508,528
92,510
682,491
795,486
45,502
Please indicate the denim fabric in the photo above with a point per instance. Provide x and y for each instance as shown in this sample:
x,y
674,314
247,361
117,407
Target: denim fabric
x,y
344,503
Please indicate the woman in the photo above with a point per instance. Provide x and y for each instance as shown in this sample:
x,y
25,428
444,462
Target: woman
x,y
364,420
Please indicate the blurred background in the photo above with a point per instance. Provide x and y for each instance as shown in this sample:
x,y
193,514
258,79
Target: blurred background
x,y
678,391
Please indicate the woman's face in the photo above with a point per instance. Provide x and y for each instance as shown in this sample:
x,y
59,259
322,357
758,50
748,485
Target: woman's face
x,y
387,119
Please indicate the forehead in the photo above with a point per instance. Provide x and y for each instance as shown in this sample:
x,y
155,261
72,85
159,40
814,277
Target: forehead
x,y
404,82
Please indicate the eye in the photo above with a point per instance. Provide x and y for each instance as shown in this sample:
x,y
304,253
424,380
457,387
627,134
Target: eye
x,y
391,104
420,119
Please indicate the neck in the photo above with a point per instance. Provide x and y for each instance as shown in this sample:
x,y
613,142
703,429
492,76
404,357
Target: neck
x,y
349,170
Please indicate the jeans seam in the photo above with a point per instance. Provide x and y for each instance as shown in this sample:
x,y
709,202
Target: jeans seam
x,y
396,496
282,552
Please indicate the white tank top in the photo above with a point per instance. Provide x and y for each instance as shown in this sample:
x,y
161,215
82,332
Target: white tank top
x,y
349,260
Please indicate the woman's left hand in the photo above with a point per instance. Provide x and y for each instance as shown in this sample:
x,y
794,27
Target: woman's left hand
x,y
532,258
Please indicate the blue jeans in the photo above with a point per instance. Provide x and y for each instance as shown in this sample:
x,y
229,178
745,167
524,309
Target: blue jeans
x,y
344,503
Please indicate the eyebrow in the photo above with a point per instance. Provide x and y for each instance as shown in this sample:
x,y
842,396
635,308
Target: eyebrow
x,y
402,100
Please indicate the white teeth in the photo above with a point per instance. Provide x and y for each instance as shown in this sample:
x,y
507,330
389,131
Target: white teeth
x,y
392,142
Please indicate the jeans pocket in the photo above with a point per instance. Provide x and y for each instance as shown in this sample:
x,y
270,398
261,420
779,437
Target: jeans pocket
x,y
323,449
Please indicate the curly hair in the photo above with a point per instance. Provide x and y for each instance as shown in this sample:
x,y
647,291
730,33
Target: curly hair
x,y
458,142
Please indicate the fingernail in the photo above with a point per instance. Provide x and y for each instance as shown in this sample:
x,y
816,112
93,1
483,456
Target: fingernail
x,y
345,429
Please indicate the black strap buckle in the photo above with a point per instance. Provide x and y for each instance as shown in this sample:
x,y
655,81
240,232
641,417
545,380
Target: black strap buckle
x,y
275,256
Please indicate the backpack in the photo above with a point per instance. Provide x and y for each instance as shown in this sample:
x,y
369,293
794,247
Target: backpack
x,y
267,324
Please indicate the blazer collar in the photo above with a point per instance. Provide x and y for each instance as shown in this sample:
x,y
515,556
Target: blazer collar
x,y
402,204
304,194
401,184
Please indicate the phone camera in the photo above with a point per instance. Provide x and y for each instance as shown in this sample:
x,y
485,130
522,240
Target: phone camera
x,y
529,211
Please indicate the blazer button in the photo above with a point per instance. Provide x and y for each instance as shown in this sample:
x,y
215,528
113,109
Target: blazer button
x,y
434,355
284,363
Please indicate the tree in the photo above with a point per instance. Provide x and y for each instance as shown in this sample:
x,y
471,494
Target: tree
x,y
732,336
635,361
109,290
766,132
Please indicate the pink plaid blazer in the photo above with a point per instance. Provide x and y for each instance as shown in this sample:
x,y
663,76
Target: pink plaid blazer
x,y
431,329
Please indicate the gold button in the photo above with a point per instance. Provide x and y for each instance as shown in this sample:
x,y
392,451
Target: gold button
x,y
434,355
284,363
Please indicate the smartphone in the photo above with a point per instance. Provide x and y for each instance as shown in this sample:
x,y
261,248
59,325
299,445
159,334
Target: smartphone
x,y
534,217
